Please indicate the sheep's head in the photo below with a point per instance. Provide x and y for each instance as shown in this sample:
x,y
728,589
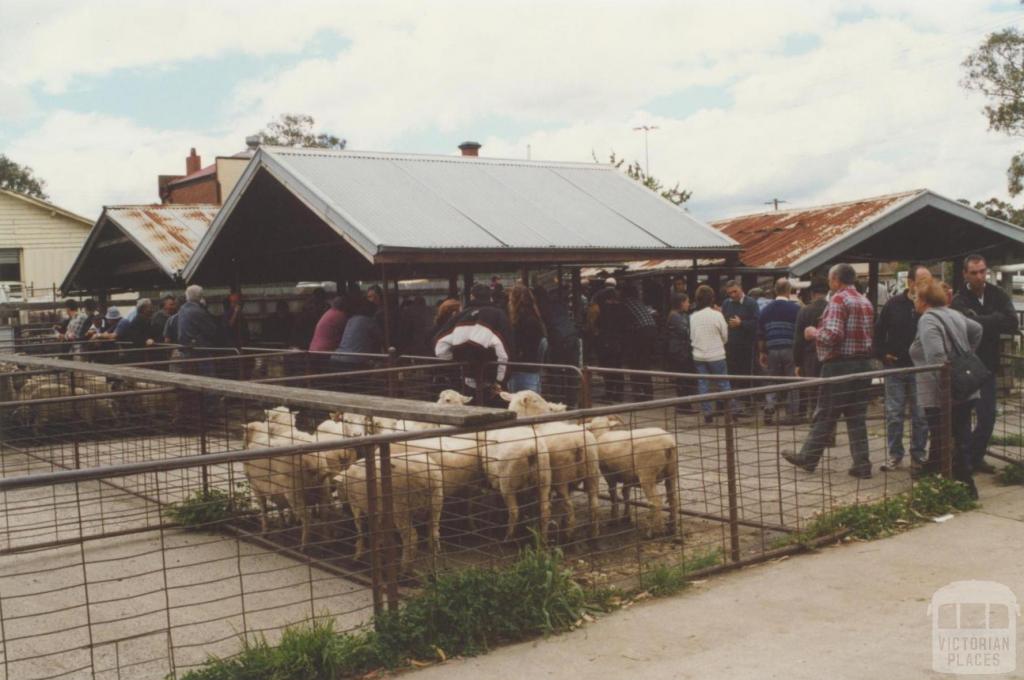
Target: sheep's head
x,y
356,425
280,415
453,398
600,424
526,403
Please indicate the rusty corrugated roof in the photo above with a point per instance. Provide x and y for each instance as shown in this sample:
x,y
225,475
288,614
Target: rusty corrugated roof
x,y
780,238
168,233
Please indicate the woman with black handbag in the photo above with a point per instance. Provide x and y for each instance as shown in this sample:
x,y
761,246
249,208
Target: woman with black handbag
x,y
946,336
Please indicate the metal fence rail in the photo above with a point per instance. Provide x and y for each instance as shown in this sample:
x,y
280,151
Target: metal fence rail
x,y
99,576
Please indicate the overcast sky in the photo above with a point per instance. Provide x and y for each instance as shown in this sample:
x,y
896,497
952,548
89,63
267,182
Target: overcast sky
x,y
810,102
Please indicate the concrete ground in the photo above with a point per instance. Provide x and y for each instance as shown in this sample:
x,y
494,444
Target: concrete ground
x,y
849,611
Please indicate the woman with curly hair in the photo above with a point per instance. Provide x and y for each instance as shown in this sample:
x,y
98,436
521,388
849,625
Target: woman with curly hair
x,y
529,339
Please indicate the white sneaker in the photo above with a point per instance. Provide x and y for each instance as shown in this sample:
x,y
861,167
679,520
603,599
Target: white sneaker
x,y
891,464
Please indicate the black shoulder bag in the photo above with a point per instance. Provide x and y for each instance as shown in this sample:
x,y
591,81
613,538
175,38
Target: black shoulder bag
x,y
967,373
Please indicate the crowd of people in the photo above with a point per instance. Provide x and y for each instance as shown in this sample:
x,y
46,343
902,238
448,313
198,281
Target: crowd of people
x,y
722,338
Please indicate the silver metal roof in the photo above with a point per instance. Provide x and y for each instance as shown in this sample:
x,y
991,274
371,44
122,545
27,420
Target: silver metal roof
x,y
382,200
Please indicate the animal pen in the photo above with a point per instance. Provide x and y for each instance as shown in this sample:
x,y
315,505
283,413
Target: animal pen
x,y
110,568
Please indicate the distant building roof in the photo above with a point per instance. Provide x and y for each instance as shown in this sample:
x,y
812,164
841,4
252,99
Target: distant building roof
x,y
46,205
385,203
132,245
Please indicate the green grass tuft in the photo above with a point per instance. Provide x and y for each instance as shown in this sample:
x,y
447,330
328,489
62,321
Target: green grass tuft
x,y
1011,440
1012,474
662,579
203,509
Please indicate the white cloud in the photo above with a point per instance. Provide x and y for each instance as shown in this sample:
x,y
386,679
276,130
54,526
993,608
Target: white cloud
x,y
875,107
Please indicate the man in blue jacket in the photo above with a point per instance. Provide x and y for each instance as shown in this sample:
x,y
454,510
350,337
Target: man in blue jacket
x,y
741,314
776,326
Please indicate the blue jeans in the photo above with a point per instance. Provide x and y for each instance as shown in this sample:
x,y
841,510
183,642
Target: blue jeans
x,y
705,386
985,422
519,381
901,393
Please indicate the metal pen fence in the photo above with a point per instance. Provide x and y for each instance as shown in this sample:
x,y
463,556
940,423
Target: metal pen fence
x,y
102,575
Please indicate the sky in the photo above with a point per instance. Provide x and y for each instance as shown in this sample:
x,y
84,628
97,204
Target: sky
x,y
805,101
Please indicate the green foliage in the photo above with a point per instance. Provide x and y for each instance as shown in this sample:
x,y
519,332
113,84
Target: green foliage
x,y
1011,440
996,69
468,611
675,195
664,580
931,496
296,129
1001,210
1011,475
20,178
202,509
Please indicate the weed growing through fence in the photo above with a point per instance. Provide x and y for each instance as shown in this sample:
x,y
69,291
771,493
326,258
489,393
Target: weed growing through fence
x,y
205,508
930,497
662,580
1012,474
1010,440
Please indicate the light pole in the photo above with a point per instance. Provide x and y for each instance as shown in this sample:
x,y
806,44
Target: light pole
x,y
647,158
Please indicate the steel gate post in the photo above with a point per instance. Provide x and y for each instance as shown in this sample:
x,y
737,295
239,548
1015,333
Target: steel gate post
x,y
730,467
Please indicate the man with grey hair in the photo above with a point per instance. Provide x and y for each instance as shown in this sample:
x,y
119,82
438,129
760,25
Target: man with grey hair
x,y
196,327
843,341
137,329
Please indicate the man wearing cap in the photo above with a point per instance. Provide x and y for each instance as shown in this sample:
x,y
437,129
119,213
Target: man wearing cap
x,y
481,335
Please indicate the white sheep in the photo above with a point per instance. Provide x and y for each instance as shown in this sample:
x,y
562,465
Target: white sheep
x,y
280,479
642,456
417,489
573,452
516,459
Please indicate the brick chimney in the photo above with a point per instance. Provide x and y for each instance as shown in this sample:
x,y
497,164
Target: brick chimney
x,y
470,148
193,163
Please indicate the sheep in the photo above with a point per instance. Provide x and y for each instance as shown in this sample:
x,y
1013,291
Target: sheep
x,y
280,478
416,489
446,398
514,459
89,412
642,456
573,452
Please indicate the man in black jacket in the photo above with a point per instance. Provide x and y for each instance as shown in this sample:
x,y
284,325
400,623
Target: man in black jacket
x,y
992,307
895,329
481,335
741,313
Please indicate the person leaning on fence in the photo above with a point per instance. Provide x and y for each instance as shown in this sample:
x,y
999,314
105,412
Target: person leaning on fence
x,y
775,326
844,345
991,307
678,350
196,327
362,335
640,345
529,339
481,336
895,329
740,312
138,330
708,334
168,308
943,333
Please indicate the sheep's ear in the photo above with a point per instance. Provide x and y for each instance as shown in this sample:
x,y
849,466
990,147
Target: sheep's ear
x,y
465,400
555,407
507,396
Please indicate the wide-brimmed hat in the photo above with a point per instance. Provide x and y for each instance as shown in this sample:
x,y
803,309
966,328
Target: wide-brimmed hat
x,y
113,313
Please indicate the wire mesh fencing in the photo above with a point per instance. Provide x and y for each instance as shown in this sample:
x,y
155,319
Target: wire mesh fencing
x,y
153,518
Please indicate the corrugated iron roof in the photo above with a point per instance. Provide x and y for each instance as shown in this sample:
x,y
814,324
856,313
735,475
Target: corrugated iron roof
x,y
385,200
778,239
168,233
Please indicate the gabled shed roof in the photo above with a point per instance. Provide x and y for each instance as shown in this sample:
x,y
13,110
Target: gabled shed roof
x,y
386,204
139,245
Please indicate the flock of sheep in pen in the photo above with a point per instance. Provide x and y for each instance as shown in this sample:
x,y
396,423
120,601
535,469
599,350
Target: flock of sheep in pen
x,y
532,460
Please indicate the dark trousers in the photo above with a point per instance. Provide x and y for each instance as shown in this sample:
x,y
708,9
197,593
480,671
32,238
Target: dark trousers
x,y
640,357
611,357
847,400
961,427
560,384
683,364
740,361
985,421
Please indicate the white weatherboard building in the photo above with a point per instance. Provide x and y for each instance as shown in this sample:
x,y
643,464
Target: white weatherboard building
x,y
38,243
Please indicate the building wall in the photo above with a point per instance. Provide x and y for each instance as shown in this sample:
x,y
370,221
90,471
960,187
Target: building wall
x,y
48,241
200,191
229,171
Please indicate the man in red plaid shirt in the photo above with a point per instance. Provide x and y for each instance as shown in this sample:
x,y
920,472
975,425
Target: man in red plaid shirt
x,y
843,341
